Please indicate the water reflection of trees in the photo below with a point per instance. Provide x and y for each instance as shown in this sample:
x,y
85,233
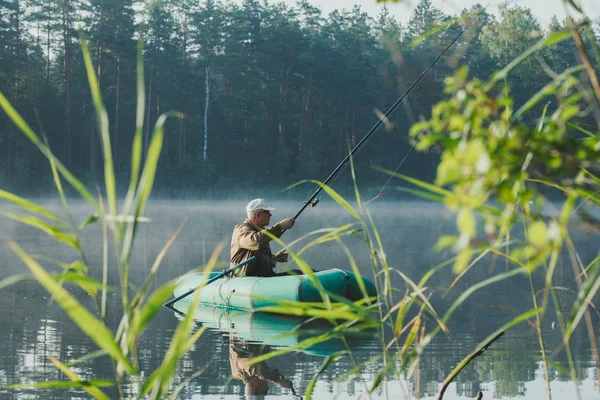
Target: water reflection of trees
x,y
34,329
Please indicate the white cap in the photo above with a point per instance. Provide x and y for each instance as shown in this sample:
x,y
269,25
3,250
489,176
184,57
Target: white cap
x,y
258,204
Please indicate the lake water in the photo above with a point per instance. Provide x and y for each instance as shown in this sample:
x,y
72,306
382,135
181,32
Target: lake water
x,y
33,327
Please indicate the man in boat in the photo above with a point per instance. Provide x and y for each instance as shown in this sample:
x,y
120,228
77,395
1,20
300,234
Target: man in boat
x,y
250,238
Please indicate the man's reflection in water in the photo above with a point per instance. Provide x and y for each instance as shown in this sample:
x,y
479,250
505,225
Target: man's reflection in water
x,y
256,377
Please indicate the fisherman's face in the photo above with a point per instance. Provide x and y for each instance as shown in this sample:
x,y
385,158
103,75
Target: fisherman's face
x,y
263,218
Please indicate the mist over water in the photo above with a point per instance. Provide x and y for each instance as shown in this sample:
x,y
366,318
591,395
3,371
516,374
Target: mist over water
x,y
33,327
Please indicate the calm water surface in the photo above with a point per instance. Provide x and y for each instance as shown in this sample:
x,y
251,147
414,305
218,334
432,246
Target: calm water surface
x,y
33,328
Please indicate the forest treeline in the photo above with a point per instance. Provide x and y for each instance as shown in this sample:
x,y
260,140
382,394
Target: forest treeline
x,y
270,94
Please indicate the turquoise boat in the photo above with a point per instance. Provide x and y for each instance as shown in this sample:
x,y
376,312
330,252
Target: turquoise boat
x,y
275,330
252,293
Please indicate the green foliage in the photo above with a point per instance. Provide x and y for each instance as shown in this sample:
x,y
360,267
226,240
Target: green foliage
x,y
490,154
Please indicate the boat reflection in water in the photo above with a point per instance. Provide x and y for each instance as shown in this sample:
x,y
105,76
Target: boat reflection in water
x,y
254,334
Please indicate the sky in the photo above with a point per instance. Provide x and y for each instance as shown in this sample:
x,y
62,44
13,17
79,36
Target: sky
x,y
541,9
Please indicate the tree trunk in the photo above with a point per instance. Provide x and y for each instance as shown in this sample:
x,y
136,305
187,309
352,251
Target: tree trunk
x,y
146,130
283,109
67,84
95,134
116,134
183,121
304,123
48,52
206,103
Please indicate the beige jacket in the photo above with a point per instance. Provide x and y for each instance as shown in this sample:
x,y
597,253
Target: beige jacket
x,y
249,240
242,369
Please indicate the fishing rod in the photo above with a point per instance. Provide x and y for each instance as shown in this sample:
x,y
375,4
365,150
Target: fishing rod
x,y
313,199
169,304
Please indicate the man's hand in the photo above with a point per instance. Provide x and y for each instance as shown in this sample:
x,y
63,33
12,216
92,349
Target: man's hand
x,y
287,223
286,384
281,256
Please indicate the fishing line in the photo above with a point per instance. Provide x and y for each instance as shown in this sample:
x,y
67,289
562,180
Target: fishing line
x,y
381,193
313,199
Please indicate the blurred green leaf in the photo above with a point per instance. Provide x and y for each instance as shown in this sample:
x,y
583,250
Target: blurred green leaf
x,y
546,42
422,194
159,381
423,185
584,299
89,221
95,329
537,234
466,222
24,127
136,148
91,389
61,385
142,317
557,37
445,241
53,231
103,128
30,206
337,198
89,285
327,362
11,280
574,5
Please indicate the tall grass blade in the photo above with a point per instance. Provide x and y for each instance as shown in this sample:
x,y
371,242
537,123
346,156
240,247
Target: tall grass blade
x,y
59,186
324,365
305,268
547,90
412,334
85,358
417,290
591,176
546,42
424,185
159,380
329,235
103,297
53,231
337,198
141,294
465,295
86,283
136,148
24,127
88,221
422,194
95,329
436,29
584,300
60,385
11,280
485,344
91,389
357,274
174,395
579,128
103,126
143,315
146,182
30,206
